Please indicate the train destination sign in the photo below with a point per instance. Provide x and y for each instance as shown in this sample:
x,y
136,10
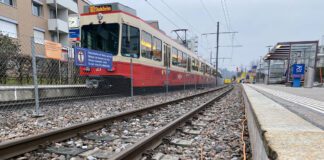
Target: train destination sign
x,y
102,8
92,58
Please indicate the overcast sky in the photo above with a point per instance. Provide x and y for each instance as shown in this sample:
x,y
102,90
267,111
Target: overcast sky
x,y
259,23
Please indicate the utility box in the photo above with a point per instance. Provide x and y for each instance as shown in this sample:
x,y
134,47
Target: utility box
x,y
309,77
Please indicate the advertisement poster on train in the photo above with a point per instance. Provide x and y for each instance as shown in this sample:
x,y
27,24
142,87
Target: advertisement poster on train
x,y
92,58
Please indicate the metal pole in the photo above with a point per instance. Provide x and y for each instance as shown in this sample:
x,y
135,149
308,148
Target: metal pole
x,y
268,80
167,79
288,69
58,39
131,70
259,76
217,47
184,81
37,111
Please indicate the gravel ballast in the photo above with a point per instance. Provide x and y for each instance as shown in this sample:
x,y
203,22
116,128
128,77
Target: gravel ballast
x,y
120,134
215,133
19,122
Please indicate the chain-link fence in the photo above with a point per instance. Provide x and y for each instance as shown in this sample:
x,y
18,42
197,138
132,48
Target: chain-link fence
x,y
34,84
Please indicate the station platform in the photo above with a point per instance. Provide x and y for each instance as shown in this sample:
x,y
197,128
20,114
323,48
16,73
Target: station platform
x,y
315,93
277,132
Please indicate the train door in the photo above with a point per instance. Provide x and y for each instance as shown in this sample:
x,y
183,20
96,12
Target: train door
x,y
167,52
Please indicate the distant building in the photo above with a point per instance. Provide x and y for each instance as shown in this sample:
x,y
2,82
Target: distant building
x,y
41,19
320,56
192,44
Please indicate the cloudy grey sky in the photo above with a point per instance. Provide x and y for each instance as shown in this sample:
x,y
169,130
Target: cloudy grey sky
x,y
259,22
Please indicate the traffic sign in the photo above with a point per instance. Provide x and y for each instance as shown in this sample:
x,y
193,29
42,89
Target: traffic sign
x,y
298,69
92,58
74,33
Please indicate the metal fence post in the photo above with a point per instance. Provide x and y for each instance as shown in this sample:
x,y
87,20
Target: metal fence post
x,y
37,111
184,81
195,82
167,79
131,77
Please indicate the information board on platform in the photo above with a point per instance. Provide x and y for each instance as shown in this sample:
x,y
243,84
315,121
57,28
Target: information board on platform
x,y
298,69
92,58
53,50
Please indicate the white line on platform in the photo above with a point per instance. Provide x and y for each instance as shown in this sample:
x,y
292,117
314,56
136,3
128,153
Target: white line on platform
x,y
303,101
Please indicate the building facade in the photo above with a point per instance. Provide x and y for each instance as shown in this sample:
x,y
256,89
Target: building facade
x,y
41,19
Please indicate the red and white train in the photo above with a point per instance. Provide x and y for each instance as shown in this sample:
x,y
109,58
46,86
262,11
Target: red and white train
x,y
115,28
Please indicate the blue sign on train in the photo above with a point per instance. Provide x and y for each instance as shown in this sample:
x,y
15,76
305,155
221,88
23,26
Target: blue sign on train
x,y
298,69
92,58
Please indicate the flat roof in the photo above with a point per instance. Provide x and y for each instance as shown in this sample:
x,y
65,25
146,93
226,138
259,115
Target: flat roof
x,y
282,50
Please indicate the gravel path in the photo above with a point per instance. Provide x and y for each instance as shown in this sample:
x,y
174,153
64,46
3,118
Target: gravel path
x,y
118,135
218,134
18,123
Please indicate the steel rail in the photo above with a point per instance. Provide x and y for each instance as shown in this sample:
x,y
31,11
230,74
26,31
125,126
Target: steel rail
x,y
12,148
135,151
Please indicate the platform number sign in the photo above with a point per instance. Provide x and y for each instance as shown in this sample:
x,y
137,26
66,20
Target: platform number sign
x,y
298,69
92,58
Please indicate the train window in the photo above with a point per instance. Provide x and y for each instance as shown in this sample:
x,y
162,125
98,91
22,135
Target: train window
x,y
179,58
194,64
146,43
130,41
189,64
175,57
208,70
102,37
202,68
157,49
184,60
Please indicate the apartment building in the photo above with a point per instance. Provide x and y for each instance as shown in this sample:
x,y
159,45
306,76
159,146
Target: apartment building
x,y
41,19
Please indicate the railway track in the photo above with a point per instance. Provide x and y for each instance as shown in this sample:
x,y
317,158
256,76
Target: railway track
x,y
17,147
30,102
144,149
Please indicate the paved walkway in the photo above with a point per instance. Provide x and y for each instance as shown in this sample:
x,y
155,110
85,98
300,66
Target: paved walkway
x,y
313,93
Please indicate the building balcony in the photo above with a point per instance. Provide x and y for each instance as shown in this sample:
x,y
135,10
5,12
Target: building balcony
x,y
64,4
60,25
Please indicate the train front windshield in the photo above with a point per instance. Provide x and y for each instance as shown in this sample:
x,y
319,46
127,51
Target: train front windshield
x,y
102,37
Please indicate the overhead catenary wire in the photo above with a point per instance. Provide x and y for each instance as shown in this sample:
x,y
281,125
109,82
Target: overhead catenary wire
x,y
228,15
225,15
193,30
207,11
166,17
169,20
181,17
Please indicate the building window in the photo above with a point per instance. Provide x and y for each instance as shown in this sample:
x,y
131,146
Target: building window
x,y
39,37
37,9
146,43
130,41
52,13
54,37
8,2
8,28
